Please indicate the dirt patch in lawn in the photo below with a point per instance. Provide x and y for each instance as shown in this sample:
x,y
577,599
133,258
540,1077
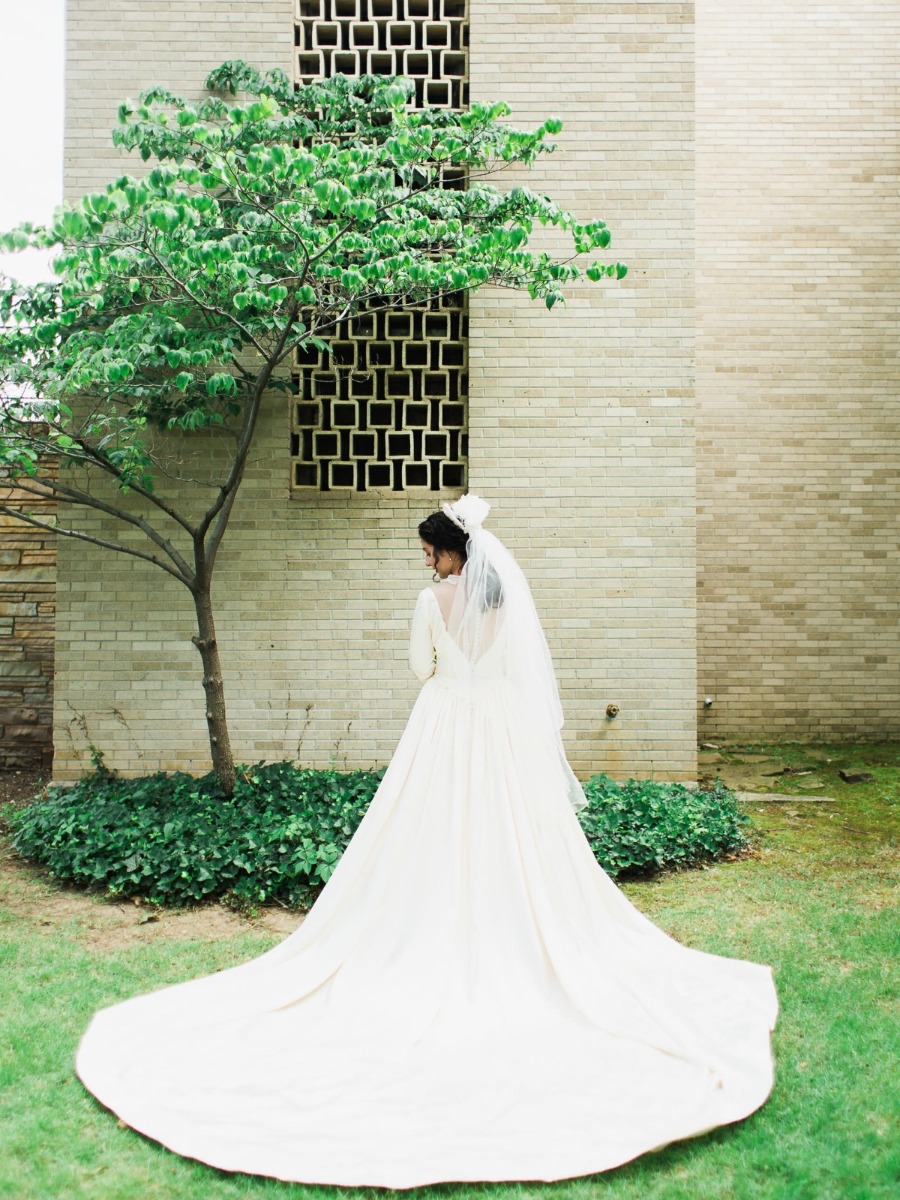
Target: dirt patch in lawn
x,y
31,894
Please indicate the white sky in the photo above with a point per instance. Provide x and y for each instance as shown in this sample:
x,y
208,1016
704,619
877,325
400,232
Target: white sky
x,y
31,122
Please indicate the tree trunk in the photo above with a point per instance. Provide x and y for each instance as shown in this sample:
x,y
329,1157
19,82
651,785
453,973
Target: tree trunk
x,y
216,719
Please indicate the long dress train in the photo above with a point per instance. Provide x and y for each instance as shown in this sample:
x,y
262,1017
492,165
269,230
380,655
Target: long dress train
x,y
470,998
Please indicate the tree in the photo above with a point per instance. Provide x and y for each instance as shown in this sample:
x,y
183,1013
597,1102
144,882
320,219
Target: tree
x,y
266,221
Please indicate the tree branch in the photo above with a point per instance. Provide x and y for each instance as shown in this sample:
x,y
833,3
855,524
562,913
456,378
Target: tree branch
x,y
112,470
86,500
90,455
331,323
221,510
95,541
181,286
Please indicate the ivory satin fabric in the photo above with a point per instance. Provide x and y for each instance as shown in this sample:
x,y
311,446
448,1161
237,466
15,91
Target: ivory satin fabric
x,y
470,998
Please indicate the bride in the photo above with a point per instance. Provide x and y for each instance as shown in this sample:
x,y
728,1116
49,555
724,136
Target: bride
x,y
471,997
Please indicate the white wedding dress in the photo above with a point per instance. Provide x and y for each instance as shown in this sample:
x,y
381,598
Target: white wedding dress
x,y
470,998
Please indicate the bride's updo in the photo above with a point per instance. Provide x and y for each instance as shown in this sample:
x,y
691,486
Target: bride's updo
x,y
440,532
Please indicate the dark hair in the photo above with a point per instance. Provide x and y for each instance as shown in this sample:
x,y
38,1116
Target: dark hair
x,y
440,532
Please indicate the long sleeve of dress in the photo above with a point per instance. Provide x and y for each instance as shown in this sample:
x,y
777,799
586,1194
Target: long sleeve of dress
x,y
421,640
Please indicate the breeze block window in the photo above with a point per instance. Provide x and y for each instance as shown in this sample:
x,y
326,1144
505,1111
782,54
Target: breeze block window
x,y
388,409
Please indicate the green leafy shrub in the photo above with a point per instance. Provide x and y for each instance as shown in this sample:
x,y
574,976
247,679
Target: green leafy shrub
x,y
641,825
176,839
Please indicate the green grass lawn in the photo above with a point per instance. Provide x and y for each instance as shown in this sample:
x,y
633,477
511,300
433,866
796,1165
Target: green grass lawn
x,y
815,900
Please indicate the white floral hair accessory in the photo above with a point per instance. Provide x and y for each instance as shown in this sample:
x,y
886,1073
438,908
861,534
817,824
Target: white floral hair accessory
x,y
469,512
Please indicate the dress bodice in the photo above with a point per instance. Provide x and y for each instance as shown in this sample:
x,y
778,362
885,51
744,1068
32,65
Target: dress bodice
x,y
433,652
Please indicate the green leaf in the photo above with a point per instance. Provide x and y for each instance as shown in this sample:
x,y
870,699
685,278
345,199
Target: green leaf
x,y
222,383
323,190
352,281
14,240
73,224
363,209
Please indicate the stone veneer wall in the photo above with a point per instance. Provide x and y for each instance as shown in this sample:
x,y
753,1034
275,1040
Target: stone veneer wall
x,y
798,372
27,607
581,435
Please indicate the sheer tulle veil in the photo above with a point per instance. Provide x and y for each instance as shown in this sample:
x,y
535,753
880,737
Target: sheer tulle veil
x,y
493,613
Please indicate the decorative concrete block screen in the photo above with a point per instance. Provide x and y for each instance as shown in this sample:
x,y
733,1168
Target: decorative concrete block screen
x,y
388,409
426,40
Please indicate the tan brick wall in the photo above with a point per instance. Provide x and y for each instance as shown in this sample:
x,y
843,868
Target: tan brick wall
x,y
27,606
582,420
581,428
798,287
312,602
114,48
